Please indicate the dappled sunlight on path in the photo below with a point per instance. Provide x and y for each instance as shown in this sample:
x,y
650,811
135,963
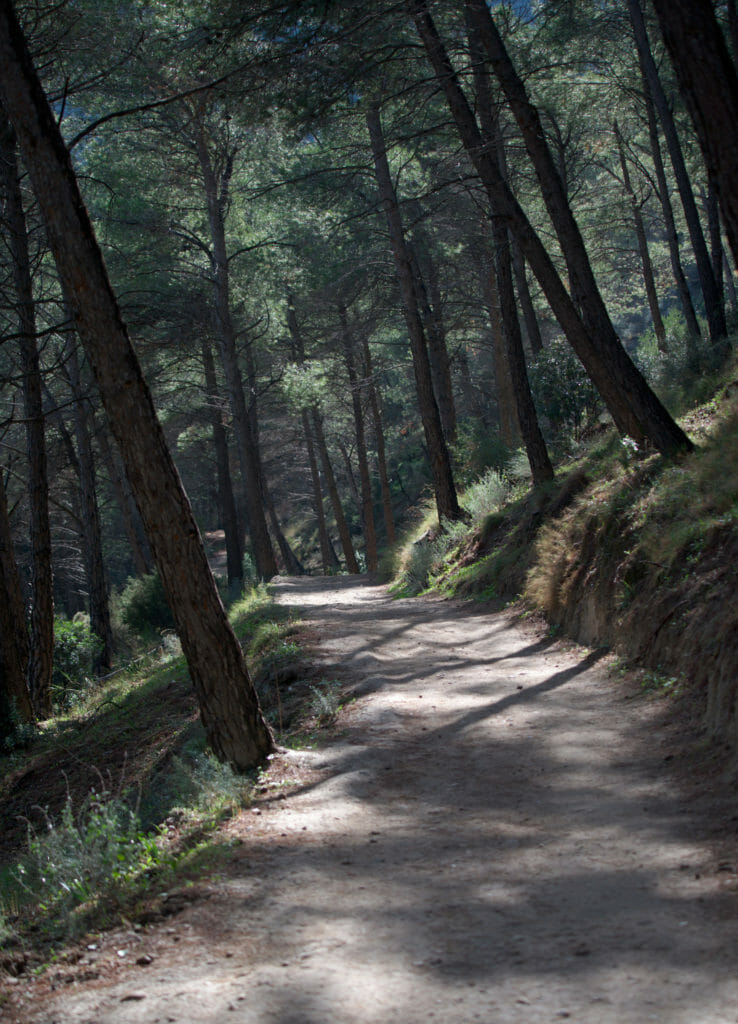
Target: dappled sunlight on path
x,y
489,836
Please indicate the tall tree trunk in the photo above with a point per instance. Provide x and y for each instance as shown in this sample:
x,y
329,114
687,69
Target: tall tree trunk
x,y
41,659
352,565
633,406
291,562
367,498
472,404
226,497
438,453
424,268
92,552
389,521
729,282
672,237
708,82
229,706
350,476
733,30
216,192
508,417
713,308
712,205
327,554
315,431
15,699
640,230
532,328
535,446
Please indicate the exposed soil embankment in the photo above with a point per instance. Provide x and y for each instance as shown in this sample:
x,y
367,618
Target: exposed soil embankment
x,y
642,560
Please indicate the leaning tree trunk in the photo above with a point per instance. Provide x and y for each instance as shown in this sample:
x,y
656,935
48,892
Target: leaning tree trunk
x,y
367,499
633,406
41,658
15,700
229,706
440,459
713,307
708,82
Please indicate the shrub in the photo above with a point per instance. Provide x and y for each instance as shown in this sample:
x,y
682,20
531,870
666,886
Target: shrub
x,y
485,495
91,853
143,605
688,372
76,649
15,732
562,391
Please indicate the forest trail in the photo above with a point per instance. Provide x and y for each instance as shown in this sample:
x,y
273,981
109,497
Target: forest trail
x,y
491,835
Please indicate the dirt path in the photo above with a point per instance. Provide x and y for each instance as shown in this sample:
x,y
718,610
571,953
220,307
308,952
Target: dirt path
x,y
492,836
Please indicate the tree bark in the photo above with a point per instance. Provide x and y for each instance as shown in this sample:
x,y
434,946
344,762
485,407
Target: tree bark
x,y
535,446
226,498
291,562
532,328
712,205
41,658
633,406
713,308
229,706
352,565
640,230
424,268
327,555
15,698
508,418
367,498
438,453
708,82
389,521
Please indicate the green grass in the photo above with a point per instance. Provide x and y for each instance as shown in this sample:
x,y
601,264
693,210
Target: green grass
x,y
101,842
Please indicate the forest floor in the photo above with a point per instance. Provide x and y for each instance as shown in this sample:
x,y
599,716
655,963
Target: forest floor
x,y
500,828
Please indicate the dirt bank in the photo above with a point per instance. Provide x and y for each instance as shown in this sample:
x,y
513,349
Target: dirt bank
x,y
492,834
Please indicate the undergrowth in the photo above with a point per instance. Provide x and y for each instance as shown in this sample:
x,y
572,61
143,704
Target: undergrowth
x,y
85,847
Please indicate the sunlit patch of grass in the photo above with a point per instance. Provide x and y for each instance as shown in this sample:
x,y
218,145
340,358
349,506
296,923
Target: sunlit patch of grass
x,y
99,845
